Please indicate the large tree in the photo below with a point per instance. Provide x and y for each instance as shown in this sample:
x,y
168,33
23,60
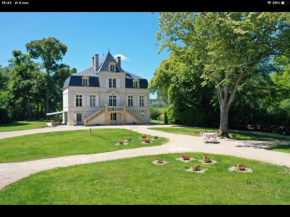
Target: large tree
x,y
50,51
225,47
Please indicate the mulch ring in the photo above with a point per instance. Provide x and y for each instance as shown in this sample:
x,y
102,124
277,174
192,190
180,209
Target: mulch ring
x,y
191,170
161,164
185,161
247,170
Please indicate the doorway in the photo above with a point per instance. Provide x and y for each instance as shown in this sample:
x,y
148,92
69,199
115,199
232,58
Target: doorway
x,y
79,118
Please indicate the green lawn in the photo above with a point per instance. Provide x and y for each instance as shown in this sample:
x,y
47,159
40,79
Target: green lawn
x,y
56,144
196,132
156,122
138,181
280,148
22,125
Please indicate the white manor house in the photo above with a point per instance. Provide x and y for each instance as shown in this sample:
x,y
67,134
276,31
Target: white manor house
x,y
105,94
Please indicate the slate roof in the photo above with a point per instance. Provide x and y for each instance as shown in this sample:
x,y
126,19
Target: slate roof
x,y
76,79
104,63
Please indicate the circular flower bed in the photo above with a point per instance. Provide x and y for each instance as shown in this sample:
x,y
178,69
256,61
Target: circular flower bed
x,y
195,169
207,160
159,161
240,168
185,159
121,143
129,139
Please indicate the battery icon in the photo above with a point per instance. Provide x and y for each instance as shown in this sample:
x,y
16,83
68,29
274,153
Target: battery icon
x,y
284,2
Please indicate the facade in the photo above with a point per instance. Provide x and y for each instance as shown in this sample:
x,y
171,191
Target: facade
x,y
105,94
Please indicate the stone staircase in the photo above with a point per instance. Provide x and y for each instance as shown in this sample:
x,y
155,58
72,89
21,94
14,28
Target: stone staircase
x,y
94,116
134,114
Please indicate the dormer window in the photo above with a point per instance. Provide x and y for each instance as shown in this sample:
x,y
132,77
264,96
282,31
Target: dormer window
x,y
136,83
112,68
85,81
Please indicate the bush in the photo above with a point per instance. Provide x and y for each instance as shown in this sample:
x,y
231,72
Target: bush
x,y
154,113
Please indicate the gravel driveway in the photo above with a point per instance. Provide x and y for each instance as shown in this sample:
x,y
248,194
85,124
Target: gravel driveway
x,y
12,172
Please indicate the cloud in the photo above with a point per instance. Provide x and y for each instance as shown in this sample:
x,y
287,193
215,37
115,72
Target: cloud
x,y
122,57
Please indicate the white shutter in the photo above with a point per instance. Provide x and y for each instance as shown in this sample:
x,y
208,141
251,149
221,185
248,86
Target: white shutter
x,y
74,100
107,82
118,101
145,100
88,100
127,97
107,100
75,116
84,100
97,100
135,100
118,82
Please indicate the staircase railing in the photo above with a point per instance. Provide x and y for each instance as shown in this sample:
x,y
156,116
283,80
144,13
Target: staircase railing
x,y
134,114
93,116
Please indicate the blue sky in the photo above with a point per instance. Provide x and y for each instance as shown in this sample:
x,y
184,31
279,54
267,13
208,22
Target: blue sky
x,y
131,34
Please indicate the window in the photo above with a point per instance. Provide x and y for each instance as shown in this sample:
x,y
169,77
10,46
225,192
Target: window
x,y
112,100
136,83
92,100
130,100
112,82
79,100
112,68
141,100
85,81
79,117
113,116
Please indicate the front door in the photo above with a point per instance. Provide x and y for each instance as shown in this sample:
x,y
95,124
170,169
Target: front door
x,y
79,118
113,118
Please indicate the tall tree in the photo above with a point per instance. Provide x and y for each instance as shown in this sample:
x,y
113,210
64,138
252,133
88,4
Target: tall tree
x,y
50,51
22,77
226,47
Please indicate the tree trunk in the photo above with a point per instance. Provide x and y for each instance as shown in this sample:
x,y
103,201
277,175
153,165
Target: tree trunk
x,y
224,126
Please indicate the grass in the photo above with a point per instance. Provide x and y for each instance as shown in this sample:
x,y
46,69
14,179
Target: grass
x,y
22,125
280,148
56,144
239,135
138,181
156,122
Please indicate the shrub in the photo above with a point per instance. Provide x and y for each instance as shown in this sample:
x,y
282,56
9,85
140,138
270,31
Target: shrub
x,y
154,113
4,117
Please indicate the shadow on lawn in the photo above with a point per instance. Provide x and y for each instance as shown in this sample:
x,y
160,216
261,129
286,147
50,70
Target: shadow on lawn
x,y
269,145
15,124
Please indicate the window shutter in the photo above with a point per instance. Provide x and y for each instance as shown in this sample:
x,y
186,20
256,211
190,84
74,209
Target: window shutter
x,y
88,100
135,98
75,117
107,82
118,82
107,100
118,101
97,100
74,100
145,100
127,98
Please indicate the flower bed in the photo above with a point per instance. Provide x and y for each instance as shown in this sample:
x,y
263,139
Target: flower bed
x,y
185,159
159,161
121,143
240,168
207,160
195,169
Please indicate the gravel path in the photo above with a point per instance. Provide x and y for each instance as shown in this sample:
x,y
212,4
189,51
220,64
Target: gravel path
x,y
12,172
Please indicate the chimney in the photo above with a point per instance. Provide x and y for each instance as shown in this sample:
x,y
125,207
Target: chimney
x,y
119,60
96,62
92,61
